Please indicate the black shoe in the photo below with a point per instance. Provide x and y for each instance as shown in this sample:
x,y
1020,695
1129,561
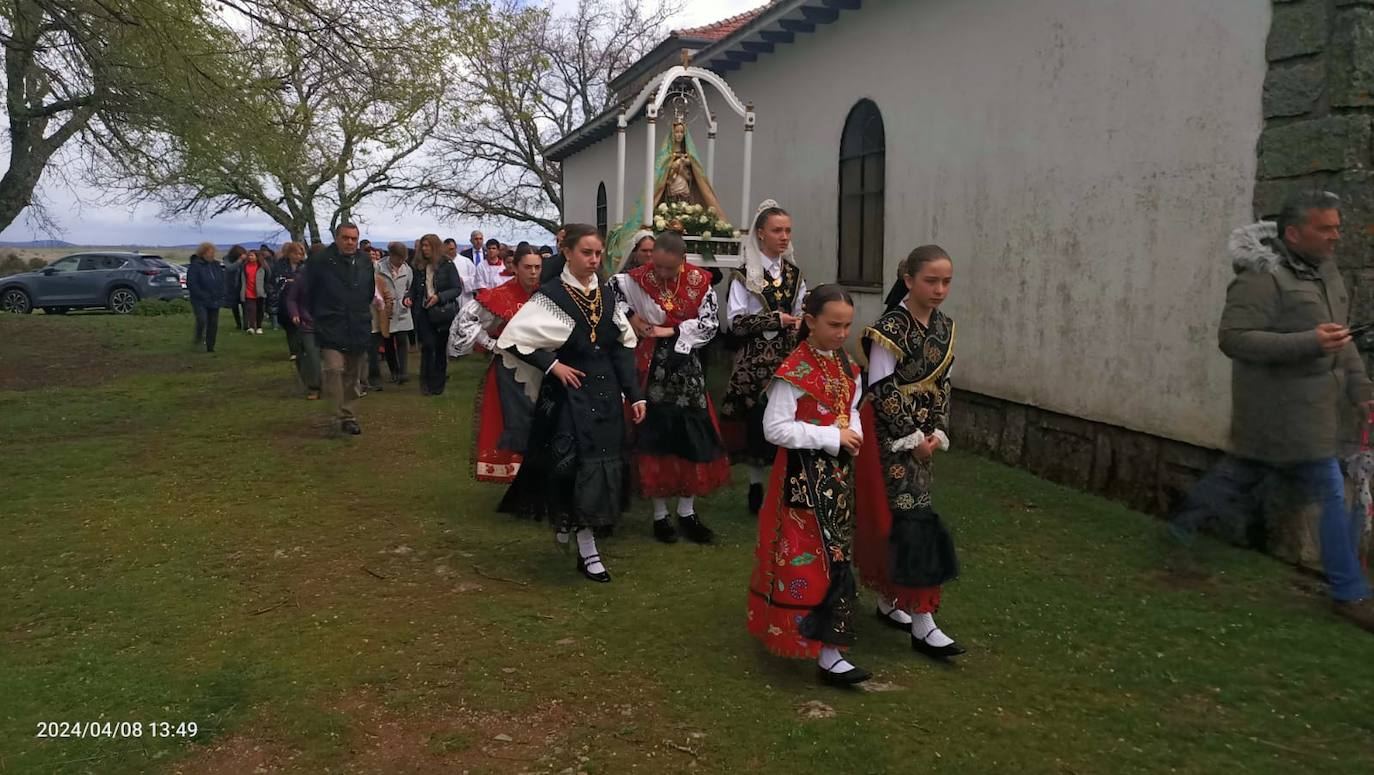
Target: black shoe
x,y
664,531
850,677
694,530
755,498
937,652
350,427
889,621
582,562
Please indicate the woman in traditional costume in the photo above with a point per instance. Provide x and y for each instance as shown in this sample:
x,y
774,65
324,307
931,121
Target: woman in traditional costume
x,y
639,249
503,408
678,451
802,592
573,350
764,310
903,550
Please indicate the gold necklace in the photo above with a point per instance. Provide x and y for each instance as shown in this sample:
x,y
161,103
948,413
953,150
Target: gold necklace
x,y
589,306
836,386
665,298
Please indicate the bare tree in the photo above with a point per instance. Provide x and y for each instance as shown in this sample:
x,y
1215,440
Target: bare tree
x,y
332,134
529,78
108,73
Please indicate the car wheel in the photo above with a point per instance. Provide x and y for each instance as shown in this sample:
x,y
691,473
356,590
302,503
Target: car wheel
x,y
15,300
122,301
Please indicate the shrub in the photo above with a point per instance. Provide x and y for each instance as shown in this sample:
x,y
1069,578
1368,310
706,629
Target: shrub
x,y
12,264
156,307
36,263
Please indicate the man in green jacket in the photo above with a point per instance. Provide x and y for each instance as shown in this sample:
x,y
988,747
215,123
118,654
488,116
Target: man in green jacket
x,y
1293,368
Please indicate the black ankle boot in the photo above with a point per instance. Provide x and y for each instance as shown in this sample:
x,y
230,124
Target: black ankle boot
x,y
755,498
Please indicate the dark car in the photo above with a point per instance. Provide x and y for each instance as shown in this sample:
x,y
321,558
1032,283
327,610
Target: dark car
x,y
115,281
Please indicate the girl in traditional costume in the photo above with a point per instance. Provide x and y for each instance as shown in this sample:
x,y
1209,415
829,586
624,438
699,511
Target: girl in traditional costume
x,y
802,592
678,451
763,310
573,350
503,409
903,550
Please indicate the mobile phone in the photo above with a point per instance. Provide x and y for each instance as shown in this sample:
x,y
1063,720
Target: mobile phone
x,y
1360,329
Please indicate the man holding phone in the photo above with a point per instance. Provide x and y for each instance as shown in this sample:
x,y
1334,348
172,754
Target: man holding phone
x,y
1294,364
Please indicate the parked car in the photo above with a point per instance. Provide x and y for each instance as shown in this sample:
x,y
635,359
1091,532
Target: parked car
x,y
115,281
181,269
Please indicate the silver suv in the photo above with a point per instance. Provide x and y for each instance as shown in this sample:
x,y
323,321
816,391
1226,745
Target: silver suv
x,y
115,281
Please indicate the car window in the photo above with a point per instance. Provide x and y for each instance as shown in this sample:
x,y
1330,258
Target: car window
x,y
155,261
68,264
112,262
89,262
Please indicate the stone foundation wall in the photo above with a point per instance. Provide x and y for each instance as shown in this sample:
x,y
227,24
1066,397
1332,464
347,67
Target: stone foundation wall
x,y
1144,472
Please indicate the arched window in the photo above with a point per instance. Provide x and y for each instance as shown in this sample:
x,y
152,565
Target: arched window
x,y
601,222
862,162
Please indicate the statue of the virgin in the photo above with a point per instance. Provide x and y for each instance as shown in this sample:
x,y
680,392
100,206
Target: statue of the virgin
x,y
683,179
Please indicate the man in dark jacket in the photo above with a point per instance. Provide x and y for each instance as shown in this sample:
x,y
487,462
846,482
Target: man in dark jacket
x,y
1294,367
340,288
205,284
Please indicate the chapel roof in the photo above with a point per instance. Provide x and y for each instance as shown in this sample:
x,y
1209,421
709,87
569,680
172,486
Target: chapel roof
x,y
723,47
723,28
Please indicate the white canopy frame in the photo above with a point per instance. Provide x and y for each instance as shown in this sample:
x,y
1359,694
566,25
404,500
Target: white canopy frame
x,y
658,88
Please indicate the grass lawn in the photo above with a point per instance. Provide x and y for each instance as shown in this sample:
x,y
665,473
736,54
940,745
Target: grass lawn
x,y
181,544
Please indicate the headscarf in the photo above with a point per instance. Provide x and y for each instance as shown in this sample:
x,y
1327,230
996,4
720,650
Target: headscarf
x,y
631,246
752,253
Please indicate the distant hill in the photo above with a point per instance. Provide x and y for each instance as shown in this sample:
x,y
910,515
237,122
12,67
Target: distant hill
x,y
38,243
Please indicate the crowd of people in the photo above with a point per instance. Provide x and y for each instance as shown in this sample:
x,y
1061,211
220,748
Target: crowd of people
x,y
595,390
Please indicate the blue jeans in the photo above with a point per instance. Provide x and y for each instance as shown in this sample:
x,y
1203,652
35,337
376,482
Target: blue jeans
x,y
1233,490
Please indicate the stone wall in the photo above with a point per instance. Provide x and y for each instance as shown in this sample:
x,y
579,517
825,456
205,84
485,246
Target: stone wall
x,y
1147,473
1318,108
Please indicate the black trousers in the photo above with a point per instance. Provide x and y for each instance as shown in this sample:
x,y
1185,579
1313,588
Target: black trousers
x,y
433,354
396,351
252,313
207,325
237,308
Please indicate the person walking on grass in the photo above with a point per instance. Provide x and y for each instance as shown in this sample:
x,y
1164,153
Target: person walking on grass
x,y
233,283
396,275
205,285
802,592
300,330
436,296
340,286
253,282
1294,367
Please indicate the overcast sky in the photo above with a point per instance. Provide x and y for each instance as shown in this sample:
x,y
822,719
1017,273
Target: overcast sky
x,y
84,219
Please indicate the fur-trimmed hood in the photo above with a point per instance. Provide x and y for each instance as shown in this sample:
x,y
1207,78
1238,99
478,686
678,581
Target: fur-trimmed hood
x,y
1251,247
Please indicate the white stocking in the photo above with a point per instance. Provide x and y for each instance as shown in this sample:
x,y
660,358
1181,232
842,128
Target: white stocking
x,y
586,547
756,474
923,628
833,661
686,507
660,508
891,611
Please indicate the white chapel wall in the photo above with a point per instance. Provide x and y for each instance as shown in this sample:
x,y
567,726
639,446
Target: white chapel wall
x,y
1082,160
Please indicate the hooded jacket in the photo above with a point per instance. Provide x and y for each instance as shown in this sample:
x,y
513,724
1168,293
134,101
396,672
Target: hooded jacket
x,y
1288,396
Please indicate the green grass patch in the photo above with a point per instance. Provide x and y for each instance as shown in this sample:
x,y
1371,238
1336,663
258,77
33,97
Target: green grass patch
x,y
183,544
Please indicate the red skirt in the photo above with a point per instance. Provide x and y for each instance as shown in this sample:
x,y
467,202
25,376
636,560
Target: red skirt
x,y
791,573
670,476
492,464
875,524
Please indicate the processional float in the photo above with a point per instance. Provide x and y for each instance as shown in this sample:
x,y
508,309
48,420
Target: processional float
x,y
678,194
